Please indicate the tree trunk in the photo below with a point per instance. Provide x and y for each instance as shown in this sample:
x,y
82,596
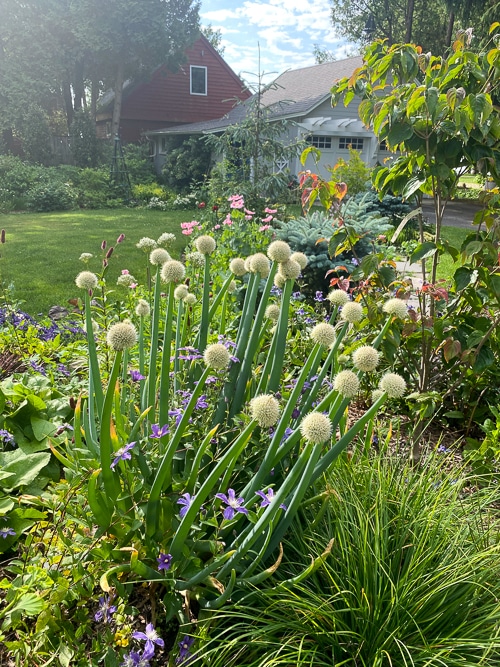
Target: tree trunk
x,y
117,107
78,86
449,31
94,95
410,10
68,102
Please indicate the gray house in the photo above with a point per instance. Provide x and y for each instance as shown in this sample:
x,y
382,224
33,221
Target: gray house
x,y
303,97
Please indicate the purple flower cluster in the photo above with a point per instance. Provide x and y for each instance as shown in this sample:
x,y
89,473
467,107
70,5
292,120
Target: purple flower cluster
x,y
152,639
106,610
7,439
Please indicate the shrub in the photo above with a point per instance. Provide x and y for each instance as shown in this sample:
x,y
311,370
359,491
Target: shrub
x,y
52,197
139,164
143,192
187,161
85,146
354,173
16,178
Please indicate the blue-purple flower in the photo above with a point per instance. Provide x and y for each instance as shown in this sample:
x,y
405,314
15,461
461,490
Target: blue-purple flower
x,y
159,432
106,610
185,500
136,376
152,639
7,438
164,562
233,503
267,498
122,454
184,650
5,532
134,659
319,297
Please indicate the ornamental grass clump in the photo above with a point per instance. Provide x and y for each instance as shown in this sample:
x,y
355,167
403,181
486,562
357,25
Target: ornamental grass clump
x,y
225,413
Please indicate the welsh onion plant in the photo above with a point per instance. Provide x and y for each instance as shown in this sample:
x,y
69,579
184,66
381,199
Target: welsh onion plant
x,y
409,577
208,471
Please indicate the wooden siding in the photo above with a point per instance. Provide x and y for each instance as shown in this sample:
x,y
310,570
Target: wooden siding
x,y
166,100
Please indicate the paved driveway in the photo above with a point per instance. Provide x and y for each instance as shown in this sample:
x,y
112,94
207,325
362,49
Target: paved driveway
x,y
457,213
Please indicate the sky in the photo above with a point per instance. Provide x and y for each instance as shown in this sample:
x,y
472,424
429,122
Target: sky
x,y
285,31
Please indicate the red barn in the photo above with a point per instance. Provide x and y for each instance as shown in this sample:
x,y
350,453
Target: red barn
x,y
203,88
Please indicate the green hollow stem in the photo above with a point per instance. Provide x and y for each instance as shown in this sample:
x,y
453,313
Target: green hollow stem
x,y
97,392
142,362
381,335
256,531
204,322
252,345
347,438
109,478
178,343
281,333
207,487
213,307
164,390
164,472
153,351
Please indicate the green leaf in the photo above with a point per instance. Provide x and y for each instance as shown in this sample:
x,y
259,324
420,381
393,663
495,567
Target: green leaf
x,y
484,360
24,468
65,655
422,251
413,185
42,428
398,133
462,278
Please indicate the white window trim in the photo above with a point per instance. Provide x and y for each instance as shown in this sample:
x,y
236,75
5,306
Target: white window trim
x,y
191,67
346,148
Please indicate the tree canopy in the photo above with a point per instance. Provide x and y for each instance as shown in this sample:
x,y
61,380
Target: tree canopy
x,y
414,21
59,55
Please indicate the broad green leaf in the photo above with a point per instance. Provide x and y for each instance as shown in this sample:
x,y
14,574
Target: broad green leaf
x,y
413,185
422,251
399,132
484,360
24,468
42,428
462,278
495,284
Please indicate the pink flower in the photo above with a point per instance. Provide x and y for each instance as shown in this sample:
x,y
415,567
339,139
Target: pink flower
x,y
270,210
133,285
202,204
264,227
249,212
236,201
248,217
227,220
187,232
217,227
267,219
125,272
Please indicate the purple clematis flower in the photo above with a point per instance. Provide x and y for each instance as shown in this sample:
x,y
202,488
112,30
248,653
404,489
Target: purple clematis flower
x,y
233,503
164,561
122,454
267,498
185,500
134,659
5,532
105,611
152,639
184,650
159,432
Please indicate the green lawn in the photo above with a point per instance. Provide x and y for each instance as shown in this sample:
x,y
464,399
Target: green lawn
x,y
41,255
455,236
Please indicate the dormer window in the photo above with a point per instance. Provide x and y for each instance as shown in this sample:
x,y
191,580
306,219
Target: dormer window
x,y
198,80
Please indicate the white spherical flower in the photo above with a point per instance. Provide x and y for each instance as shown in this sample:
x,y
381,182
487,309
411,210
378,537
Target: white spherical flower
x,y
366,358
247,263
346,383
159,256
396,307
166,239
279,251
190,299
352,312
122,336
393,384
237,266
142,309
324,334
146,244
290,270
273,312
279,281
86,280
85,257
265,410
376,394
196,258
337,297
216,356
343,359
260,264
316,428
301,258
205,244
126,280
173,271
181,291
